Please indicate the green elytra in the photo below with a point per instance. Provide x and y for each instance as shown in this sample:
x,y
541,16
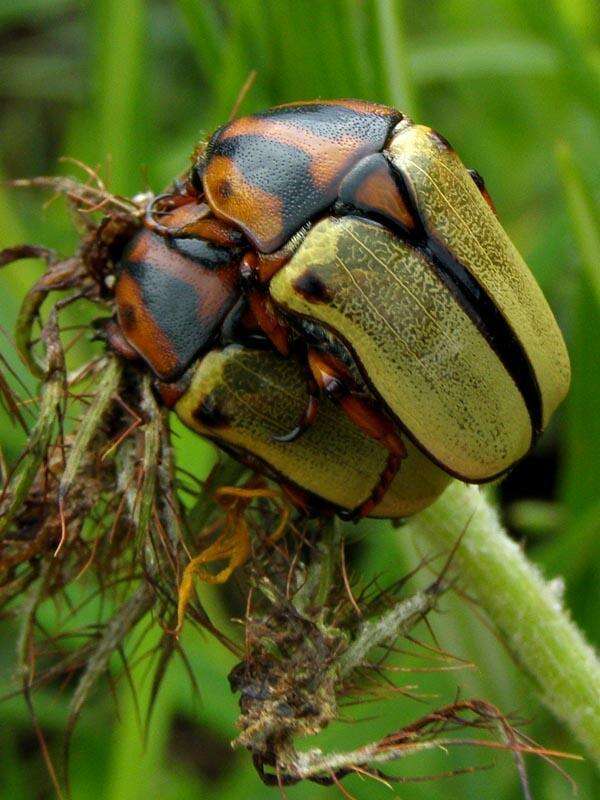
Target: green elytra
x,y
254,395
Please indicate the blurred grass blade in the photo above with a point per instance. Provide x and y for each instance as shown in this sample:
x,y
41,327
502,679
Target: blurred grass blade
x,y
21,276
120,84
392,42
43,78
357,31
205,33
578,70
13,12
584,220
115,631
576,548
583,421
455,60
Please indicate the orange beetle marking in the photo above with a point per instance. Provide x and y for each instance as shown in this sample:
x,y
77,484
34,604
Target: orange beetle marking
x,y
236,200
378,192
140,327
272,173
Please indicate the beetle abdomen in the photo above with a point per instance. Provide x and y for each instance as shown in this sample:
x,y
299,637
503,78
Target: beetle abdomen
x,y
272,172
414,342
242,398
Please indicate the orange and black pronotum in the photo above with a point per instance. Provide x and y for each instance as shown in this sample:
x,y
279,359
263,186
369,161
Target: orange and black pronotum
x,y
343,235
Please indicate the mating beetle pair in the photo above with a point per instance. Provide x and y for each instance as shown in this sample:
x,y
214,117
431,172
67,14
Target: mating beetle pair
x,y
357,243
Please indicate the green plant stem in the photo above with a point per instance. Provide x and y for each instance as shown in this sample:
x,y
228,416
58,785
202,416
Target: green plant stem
x,y
527,610
400,619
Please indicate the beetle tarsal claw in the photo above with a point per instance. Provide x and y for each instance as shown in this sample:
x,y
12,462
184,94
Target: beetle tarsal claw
x,y
306,420
232,546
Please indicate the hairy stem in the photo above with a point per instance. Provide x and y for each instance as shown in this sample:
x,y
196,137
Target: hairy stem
x,y
90,422
400,619
536,627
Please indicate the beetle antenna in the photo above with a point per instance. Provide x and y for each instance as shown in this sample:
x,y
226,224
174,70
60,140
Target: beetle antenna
x,y
150,221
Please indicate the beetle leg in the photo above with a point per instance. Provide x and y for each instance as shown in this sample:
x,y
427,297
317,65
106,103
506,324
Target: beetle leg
x,y
240,327
174,201
332,376
269,265
233,322
110,331
268,322
261,306
210,229
305,502
480,183
389,472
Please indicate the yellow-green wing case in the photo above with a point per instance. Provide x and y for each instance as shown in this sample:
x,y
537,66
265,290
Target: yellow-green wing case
x,y
240,398
455,214
416,346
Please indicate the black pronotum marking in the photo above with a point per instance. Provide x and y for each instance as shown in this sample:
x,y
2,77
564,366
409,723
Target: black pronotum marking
x,y
206,254
332,120
283,170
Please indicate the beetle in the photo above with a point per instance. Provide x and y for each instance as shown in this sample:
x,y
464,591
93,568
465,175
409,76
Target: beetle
x,y
242,398
358,242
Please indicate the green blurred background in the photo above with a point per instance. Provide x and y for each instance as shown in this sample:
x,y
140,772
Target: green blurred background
x,y
130,86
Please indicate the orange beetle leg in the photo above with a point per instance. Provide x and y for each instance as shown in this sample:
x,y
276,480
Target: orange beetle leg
x,y
269,264
171,393
334,379
307,503
268,322
232,545
169,205
262,308
182,216
111,332
212,230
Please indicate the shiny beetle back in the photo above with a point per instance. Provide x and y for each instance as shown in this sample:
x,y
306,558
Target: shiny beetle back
x,y
414,343
272,172
172,296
